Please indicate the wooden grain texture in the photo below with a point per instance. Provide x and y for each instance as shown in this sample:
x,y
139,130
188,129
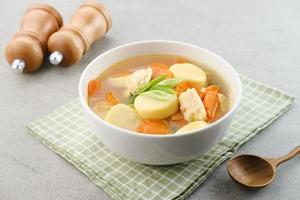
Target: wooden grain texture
x,y
255,172
89,24
30,43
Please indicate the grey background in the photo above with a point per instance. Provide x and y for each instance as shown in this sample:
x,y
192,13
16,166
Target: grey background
x,y
260,38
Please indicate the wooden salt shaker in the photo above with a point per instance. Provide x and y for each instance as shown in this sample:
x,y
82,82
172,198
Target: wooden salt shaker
x,y
26,51
89,24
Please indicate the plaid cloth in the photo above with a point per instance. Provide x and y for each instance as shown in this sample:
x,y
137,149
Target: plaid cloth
x,y
66,132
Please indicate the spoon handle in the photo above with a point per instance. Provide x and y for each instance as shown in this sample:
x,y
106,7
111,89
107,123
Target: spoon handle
x,y
288,156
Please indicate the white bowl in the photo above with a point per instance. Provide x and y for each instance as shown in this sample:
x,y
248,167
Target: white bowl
x,y
160,149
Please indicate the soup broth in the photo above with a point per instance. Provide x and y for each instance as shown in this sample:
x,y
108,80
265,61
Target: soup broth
x,y
159,94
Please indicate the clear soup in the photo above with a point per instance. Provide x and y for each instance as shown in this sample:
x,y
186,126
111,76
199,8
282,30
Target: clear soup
x,y
158,94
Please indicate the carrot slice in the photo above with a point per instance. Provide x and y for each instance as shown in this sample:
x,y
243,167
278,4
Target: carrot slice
x,y
93,86
160,65
180,122
178,118
201,94
110,97
153,127
159,69
183,86
213,88
211,104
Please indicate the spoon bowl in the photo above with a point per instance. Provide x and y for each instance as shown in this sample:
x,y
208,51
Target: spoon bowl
x,y
251,171
254,171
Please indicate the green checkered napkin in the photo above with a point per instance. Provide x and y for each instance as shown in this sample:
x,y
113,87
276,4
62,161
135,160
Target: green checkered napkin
x,y
66,132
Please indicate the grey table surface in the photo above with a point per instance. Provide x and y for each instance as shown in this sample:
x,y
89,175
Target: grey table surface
x,y
260,38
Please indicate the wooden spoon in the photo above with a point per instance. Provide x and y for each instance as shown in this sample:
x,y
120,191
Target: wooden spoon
x,y
254,171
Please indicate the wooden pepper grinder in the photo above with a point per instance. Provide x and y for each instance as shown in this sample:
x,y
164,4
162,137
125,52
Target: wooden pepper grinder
x,y
89,24
26,51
